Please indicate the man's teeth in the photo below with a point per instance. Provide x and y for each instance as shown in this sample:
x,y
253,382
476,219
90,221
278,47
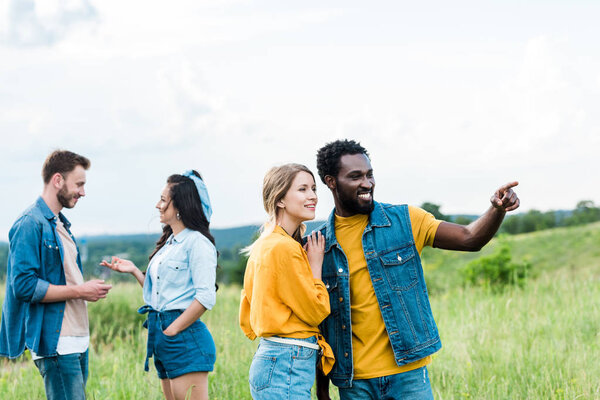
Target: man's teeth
x,y
365,196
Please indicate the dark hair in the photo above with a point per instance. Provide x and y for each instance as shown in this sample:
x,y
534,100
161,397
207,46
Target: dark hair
x,y
63,162
328,156
186,200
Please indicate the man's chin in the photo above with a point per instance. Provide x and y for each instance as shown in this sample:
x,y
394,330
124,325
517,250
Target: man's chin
x,y
69,204
364,208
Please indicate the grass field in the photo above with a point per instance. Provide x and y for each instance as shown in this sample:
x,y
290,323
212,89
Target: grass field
x,y
539,342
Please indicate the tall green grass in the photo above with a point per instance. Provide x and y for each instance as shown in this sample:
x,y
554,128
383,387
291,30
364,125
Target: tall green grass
x,y
539,342
542,342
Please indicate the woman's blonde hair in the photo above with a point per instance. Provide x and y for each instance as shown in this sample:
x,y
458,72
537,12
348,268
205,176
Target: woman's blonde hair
x,y
276,184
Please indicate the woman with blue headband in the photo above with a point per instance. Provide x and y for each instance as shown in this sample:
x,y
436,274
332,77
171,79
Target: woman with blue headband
x,y
179,286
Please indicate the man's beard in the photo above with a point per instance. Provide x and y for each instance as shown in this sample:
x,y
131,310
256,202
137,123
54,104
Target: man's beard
x,y
64,198
351,204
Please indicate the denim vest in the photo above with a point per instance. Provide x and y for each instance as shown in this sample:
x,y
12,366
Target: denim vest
x,y
34,262
397,276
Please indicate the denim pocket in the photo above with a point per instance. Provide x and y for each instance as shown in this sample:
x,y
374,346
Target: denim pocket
x,y
400,269
261,372
51,253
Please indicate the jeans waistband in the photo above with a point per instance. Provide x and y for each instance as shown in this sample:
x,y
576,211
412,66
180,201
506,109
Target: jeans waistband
x,y
148,309
293,342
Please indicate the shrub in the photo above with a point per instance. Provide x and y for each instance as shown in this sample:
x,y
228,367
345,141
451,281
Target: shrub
x,y
496,271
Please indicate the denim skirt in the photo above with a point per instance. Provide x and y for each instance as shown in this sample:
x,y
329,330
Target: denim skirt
x,y
191,350
281,371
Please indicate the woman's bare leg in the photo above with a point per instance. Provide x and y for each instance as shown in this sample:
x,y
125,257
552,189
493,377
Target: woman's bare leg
x,y
166,387
197,381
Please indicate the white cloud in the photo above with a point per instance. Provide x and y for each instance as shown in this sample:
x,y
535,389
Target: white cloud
x,y
234,87
43,22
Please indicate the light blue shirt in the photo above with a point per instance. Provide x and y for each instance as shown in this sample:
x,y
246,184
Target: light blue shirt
x,y
186,272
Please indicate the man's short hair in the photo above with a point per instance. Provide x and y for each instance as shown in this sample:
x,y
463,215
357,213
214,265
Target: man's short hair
x,y
328,156
63,162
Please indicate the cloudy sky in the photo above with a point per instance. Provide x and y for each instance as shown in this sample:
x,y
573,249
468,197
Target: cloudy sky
x,y
451,99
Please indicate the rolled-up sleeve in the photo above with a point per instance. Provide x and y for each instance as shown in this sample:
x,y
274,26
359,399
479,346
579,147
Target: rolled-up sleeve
x,y
245,316
25,261
203,264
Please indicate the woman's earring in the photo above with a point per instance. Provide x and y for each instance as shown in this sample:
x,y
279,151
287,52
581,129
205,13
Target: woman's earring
x,y
178,217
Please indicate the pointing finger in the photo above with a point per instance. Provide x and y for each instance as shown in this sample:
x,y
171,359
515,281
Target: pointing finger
x,y
507,186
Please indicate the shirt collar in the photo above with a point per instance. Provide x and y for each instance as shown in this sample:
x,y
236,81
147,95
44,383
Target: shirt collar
x,y
378,217
180,237
280,230
49,215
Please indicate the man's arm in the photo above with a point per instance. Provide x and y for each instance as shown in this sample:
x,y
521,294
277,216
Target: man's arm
x,y
322,386
25,273
93,290
24,259
478,233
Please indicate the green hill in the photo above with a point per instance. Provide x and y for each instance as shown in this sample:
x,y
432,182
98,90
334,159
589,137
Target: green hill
x,y
571,249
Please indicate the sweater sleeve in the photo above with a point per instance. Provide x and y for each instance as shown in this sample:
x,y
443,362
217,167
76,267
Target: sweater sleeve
x,y
245,316
306,296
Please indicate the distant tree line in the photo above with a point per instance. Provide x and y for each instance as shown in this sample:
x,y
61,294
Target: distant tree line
x,y
230,241
585,212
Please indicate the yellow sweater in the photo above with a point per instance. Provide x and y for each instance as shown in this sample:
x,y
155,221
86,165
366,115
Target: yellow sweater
x,y
280,296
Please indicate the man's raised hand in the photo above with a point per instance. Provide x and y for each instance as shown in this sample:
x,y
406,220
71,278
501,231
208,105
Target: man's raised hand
x,y
505,199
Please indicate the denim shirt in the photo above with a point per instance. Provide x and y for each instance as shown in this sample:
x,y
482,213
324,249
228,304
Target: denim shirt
x,y
186,273
35,260
397,276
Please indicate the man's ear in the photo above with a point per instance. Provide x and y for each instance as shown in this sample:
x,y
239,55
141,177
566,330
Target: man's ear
x,y
330,182
57,180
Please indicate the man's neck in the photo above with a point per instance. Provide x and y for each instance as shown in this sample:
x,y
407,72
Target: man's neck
x,y
340,211
52,202
343,213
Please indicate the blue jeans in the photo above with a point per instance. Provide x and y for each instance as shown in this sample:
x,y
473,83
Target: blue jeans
x,y
411,385
64,376
282,371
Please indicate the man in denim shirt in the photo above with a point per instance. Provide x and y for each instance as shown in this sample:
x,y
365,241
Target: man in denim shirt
x,y
44,308
381,327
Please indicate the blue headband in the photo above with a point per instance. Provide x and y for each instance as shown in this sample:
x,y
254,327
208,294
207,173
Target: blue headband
x,y
202,192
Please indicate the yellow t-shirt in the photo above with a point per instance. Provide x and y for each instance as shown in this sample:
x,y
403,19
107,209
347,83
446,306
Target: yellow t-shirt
x,y
371,349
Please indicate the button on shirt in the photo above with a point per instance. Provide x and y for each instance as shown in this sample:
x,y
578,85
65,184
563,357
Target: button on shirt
x,y
184,269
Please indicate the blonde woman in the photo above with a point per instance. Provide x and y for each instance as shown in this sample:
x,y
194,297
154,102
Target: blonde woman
x,y
284,299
